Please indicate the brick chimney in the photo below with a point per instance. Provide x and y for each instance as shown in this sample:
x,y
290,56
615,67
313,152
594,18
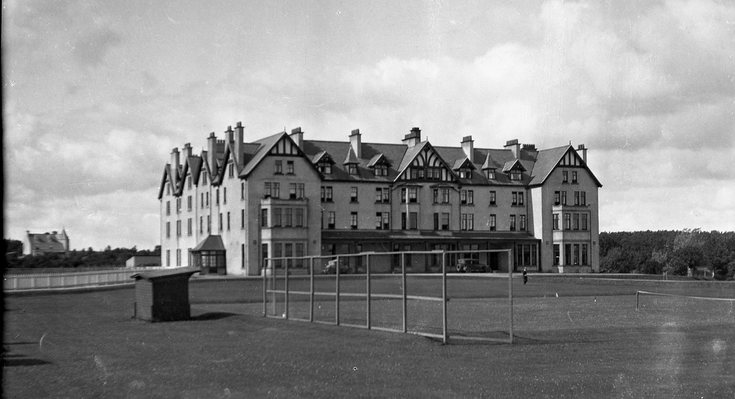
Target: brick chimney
x,y
581,148
228,134
239,141
515,147
356,142
413,138
186,151
212,152
175,163
297,135
468,146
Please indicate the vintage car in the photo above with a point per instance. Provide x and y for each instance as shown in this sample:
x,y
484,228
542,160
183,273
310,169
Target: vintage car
x,y
331,267
471,265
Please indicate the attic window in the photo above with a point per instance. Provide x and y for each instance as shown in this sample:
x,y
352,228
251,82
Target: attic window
x,y
324,167
352,169
515,175
465,173
490,173
381,170
204,176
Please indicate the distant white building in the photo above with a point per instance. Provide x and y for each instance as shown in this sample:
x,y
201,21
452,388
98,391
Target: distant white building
x,y
240,201
46,243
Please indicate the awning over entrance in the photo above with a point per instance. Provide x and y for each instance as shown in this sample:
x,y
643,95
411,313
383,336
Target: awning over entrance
x,y
209,256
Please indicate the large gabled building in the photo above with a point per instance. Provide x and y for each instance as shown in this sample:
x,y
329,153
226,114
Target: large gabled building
x,y
237,203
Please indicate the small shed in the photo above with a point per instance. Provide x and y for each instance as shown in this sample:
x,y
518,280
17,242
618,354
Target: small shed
x,y
163,295
210,256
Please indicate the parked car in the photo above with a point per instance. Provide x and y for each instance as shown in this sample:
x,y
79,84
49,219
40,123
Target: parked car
x,y
471,265
331,267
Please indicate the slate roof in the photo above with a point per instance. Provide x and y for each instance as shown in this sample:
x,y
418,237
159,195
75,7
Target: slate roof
x,y
47,242
211,243
536,164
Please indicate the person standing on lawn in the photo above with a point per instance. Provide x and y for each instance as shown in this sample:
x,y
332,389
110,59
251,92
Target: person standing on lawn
x,y
525,276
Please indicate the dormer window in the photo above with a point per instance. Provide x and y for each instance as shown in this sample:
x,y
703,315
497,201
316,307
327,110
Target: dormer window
x,y
324,168
515,175
490,173
381,170
352,169
465,173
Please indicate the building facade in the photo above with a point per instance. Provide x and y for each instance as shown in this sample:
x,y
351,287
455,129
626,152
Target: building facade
x,y
46,243
236,203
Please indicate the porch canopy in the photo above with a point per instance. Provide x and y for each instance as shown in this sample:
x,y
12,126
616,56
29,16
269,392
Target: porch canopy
x,y
209,256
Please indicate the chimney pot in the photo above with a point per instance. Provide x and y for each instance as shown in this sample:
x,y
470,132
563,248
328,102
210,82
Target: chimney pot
x,y
515,147
468,146
413,138
356,142
297,135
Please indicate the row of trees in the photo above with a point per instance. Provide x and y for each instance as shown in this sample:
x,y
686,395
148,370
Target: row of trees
x,y
673,252
75,258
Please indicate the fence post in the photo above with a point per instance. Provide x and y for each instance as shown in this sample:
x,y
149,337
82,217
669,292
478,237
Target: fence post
x,y
285,288
311,289
336,288
367,289
274,285
265,283
445,335
636,299
403,285
510,293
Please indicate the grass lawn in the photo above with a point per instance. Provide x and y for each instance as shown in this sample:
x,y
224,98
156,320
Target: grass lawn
x,y
588,342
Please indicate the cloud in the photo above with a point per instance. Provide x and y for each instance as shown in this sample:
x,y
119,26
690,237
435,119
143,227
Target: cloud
x,y
120,218
90,49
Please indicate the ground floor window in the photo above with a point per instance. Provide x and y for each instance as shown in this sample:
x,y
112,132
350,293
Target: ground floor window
x,y
557,251
525,255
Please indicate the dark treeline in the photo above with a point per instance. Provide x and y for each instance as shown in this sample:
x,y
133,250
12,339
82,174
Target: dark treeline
x,y
672,252
72,259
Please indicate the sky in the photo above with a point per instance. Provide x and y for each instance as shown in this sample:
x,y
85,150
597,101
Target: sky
x,y
97,93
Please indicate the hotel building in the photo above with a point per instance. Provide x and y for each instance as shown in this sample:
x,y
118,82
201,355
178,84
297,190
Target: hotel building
x,y
236,203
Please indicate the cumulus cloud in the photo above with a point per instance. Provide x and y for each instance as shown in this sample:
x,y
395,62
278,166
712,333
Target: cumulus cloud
x,y
91,47
648,87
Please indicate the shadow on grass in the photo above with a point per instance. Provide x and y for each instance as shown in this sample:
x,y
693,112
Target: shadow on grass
x,y
212,316
21,361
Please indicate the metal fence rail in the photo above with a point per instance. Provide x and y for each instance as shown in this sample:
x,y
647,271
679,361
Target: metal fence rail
x,y
47,281
280,272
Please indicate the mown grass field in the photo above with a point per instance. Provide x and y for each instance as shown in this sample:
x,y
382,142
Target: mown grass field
x,y
587,342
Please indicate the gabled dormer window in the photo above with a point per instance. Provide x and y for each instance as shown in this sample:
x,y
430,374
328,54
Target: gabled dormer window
x,y
352,169
381,170
465,173
324,168
515,175
490,173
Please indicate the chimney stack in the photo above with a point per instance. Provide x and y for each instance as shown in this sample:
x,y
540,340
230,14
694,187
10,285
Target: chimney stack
x,y
468,146
581,148
239,137
228,134
186,153
212,152
298,137
413,138
356,142
515,147
175,163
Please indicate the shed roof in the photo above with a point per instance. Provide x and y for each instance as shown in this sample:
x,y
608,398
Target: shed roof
x,y
158,274
211,243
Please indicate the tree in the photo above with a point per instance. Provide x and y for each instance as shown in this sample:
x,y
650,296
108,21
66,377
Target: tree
x,y
13,246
